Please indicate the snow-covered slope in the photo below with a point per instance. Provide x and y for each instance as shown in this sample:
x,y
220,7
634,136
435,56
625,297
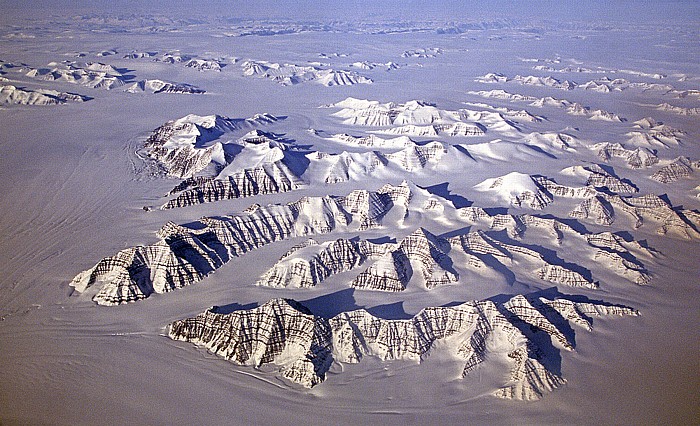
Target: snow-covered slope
x,y
288,74
516,189
285,333
189,144
90,75
160,86
19,96
420,118
186,255
527,210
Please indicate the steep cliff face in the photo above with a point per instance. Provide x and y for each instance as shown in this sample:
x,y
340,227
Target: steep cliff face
x,y
679,168
596,208
624,256
14,95
420,118
434,261
309,265
517,189
185,255
420,252
597,177
284,333
91,74
676,222
271,178
289,74
281,331
392,265
189,144
637,158
161,86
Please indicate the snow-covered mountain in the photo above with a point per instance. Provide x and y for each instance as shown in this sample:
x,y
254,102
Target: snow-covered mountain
x,y
285,333
14,95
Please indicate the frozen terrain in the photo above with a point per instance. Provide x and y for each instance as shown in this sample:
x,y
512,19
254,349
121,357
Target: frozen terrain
x,y
349,216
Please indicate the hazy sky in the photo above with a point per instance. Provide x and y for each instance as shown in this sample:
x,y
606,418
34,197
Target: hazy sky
x,y
600,11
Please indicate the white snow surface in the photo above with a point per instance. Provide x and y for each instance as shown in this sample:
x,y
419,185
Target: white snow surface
x,y
543,219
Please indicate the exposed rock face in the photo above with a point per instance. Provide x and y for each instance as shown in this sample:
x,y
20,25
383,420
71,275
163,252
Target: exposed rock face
x,y
456,129
270,178
186,255
340,78
480,243
629,267
373,141
309,265
572,108
492,78
287,75
90,75
280,331
269,165
429,52
173,58
548,81
422,252
346,166
597,177
636,158
595,87
556,273
418,156
187,145
596,208
517,189
502,94
432,258
612,246
576,108
678,110
392,268
370,207
372,113
680,222
365,65
139,55
283,332
561,275
564,191
204,65
653,133
18,96
547,141
160,86
419,118
680,167
602,115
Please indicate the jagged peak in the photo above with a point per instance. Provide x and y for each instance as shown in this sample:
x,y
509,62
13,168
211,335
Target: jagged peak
x,y
677,169
636,158
417,118
10,94
185,255
287,334
646,123
373,141
161,86
598,177
188,145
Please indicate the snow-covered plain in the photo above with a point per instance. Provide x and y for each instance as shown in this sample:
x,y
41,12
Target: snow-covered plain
x,y
407,182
